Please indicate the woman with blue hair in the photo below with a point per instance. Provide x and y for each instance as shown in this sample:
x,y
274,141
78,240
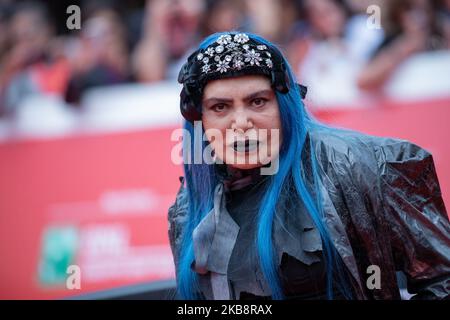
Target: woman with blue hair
x,y
274,204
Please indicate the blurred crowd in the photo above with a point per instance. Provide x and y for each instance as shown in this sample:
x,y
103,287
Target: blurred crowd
x,y
330,44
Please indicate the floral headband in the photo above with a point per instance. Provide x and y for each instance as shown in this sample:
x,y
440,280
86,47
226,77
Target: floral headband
x,y
234,52
231,55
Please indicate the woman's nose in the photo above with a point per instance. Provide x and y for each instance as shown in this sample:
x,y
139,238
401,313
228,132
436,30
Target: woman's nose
x,y
241,121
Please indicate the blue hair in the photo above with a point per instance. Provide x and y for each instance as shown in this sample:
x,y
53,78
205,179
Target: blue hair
x,y
201,180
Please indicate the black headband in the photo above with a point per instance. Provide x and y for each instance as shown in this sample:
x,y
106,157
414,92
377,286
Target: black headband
x,y
231,55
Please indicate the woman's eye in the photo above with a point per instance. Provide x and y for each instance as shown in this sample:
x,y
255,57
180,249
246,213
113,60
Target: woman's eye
x,y
259,102
218,107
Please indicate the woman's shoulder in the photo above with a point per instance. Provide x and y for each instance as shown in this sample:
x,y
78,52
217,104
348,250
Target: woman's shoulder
x,y
367,160
355,148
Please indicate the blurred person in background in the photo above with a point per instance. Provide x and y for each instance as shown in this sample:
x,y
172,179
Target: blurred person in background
x,y
272,19
444,18
4,37
223,15
99,55
363,33
326,52
411,27
32,62
171,27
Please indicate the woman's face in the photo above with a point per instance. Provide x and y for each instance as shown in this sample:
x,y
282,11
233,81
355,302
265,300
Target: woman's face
x,y
241,120
326,17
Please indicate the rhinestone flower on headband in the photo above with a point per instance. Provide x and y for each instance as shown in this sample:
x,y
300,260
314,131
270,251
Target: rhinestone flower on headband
x,y
233,53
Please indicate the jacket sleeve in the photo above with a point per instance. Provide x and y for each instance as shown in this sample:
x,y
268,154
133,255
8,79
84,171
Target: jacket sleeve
x,y
419,227
177,216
